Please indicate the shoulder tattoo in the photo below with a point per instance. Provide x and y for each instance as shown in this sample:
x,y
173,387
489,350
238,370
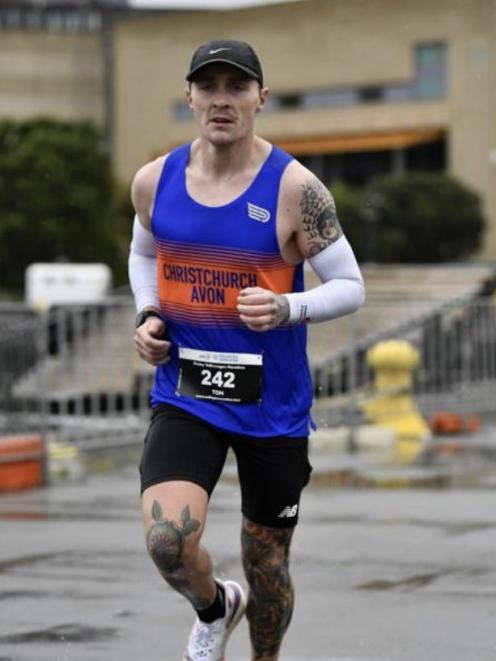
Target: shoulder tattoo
x,y
318,214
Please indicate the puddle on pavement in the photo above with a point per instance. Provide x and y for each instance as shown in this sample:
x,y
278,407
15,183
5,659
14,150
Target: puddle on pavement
x,y
62,514
22,594
72,559
64,633
122,614
408,583
5,565
468,526
449,527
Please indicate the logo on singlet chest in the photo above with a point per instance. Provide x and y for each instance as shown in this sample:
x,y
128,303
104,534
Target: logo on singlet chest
x,y
258,213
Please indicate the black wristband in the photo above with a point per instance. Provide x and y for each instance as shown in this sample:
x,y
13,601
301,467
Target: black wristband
x,y
142,316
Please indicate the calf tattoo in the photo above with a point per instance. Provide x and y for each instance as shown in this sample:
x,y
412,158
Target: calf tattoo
x,y
318,214
270,603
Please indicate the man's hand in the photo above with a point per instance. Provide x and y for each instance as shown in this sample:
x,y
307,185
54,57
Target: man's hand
x,y
261,310
148,343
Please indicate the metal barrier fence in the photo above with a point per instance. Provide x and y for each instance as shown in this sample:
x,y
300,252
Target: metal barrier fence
x,y
21,349
73,373
457,345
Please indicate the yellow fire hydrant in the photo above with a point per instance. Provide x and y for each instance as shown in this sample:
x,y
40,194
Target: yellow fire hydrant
x,y
392,404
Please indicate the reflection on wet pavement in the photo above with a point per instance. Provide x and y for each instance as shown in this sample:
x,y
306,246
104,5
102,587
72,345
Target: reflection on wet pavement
x,y
449,527
410,582
22,594
6,565
64,633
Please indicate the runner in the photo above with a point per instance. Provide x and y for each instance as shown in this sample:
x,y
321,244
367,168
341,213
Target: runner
x,y
223,226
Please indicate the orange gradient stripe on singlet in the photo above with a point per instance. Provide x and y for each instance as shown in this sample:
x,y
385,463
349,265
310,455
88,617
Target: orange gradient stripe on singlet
x,y
200,284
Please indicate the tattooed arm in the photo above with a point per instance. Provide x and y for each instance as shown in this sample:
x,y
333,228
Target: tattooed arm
x,y
320,239
319,225
308,228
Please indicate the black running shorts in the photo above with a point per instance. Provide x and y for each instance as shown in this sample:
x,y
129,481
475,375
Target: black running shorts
x,y
272,471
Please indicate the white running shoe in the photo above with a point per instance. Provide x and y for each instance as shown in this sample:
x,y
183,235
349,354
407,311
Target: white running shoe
x,y
207,641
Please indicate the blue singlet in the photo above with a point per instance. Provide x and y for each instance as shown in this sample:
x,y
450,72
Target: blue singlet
x,y
238,380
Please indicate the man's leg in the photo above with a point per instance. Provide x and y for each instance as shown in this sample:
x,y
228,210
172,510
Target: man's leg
x,y
175,508
270,602
272,473
174,516
182,459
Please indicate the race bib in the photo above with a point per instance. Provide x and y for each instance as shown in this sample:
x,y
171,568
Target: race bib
x,y
226,377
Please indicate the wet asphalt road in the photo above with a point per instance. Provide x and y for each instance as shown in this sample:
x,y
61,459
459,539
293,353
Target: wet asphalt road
x,y
380,576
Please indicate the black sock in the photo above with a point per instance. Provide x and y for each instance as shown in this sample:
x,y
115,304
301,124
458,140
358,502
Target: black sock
x,y
215,610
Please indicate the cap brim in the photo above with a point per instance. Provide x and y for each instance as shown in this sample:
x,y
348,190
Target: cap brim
x,y
214,60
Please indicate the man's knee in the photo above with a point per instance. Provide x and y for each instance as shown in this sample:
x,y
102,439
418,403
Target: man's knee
x,y
265,546
266,558
172,544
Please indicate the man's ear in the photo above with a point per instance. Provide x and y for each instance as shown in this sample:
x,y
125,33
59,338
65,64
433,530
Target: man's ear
x,y
264,93
187,91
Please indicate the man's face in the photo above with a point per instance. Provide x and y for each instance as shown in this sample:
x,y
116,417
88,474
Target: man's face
x,y
225,101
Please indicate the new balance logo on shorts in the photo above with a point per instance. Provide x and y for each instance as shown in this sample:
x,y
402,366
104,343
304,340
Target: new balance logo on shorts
x,y
288,512
258,213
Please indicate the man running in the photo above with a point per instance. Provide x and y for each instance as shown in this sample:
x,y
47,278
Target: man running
x,y
223,226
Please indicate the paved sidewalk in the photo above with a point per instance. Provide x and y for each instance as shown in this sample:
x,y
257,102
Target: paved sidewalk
x,y
382,575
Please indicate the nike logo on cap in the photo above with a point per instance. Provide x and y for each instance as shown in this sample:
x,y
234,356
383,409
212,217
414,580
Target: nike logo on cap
x,y
217,50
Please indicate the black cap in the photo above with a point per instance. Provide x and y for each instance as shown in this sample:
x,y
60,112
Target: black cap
x,y
238,53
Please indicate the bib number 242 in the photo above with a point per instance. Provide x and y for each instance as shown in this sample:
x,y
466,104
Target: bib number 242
x,y
221,376
218,378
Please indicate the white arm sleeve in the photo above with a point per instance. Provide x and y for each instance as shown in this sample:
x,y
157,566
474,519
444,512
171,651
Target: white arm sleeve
x,y
143,267
342,290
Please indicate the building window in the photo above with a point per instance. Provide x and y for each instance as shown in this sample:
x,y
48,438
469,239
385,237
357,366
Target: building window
x,y
289,101
11,19
431,71
49,19
33,20
398,92
371,94
331,98
55,21
94,21
74,22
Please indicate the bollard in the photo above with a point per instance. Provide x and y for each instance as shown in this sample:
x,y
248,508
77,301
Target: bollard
x,y
392,405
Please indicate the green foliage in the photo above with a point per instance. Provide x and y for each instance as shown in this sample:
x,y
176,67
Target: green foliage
x,y
57,199
418,217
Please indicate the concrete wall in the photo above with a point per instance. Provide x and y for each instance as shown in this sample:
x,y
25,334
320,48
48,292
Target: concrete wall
x,y
321,43
57,75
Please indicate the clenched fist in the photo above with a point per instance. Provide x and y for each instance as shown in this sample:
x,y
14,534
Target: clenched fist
x,y
261,310
149,343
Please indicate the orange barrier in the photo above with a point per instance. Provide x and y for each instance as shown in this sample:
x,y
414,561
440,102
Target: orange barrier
x,y
446,422
22,459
